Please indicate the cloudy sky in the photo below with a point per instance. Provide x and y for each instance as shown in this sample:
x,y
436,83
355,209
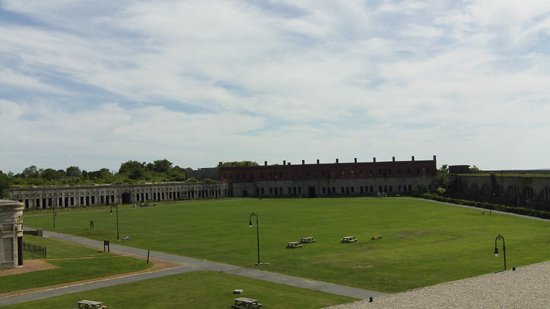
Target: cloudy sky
x,y
97,83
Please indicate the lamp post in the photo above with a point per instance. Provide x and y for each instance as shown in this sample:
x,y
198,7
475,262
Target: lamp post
x,y
117,234
503,248
257,232
54,214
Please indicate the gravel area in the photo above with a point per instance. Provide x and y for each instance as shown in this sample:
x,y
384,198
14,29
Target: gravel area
x,y
526,287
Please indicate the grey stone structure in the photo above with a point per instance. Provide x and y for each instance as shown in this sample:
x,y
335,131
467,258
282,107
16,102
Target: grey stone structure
x,y
11,234
78,196
529,191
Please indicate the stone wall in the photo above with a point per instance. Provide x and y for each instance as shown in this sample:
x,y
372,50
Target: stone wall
x,y
529,191
78,196
332,187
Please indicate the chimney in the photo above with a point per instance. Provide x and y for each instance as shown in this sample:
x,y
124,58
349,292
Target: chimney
x,y
303,162
434,157
220,163
336,160
373,159
354,160
317,161
412,158
393,159
265,163
284,162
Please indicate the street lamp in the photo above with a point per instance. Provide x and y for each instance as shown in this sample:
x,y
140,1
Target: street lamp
x,y
503,248
257,233
54,214
117,234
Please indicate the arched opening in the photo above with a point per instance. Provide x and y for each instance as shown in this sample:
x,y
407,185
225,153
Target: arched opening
x,y
125,199
528,193
311,192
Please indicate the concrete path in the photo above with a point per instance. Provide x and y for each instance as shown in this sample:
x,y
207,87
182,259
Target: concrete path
x,y
189,265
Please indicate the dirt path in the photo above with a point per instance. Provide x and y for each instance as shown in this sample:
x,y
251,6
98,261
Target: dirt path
x,y
29,266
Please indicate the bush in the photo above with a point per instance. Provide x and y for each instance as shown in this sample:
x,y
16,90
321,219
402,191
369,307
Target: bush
x,y
517,210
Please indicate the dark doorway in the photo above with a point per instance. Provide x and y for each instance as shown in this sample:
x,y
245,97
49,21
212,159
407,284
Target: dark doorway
x,y
126,198
20,251
312,192
245,193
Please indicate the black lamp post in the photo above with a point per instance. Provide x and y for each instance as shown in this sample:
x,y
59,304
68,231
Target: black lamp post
x,y
503,248
54,214
117,234
257,233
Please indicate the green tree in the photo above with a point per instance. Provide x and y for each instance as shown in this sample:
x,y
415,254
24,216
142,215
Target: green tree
x,y
133,169
177,174
30,172
103,175
4,184
73,171
239,163
50,174
162,166
442,180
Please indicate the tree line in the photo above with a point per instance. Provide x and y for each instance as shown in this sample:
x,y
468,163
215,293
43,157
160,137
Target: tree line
x,y
129,172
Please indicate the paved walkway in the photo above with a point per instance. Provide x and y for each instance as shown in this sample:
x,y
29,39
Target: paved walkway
x,y
189,265
526,287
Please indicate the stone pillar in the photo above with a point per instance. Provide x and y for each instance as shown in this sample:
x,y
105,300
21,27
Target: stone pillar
x,y
11,234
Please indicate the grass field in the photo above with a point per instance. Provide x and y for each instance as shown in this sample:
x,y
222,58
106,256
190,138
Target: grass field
x,y
194,290
423,243
72,263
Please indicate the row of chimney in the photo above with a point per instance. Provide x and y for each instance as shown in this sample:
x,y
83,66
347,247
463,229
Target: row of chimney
x,y
337,161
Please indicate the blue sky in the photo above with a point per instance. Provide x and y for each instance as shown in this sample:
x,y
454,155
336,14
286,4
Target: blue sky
x,y
97,83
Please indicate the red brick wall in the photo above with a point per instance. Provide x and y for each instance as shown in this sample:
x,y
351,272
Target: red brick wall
x,y
329,171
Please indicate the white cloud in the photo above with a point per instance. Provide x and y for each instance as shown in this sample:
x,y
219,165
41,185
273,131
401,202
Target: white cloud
x,y
281,79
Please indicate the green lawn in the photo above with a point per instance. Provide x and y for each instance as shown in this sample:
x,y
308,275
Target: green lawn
x,y
194,290
423,243
72,263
